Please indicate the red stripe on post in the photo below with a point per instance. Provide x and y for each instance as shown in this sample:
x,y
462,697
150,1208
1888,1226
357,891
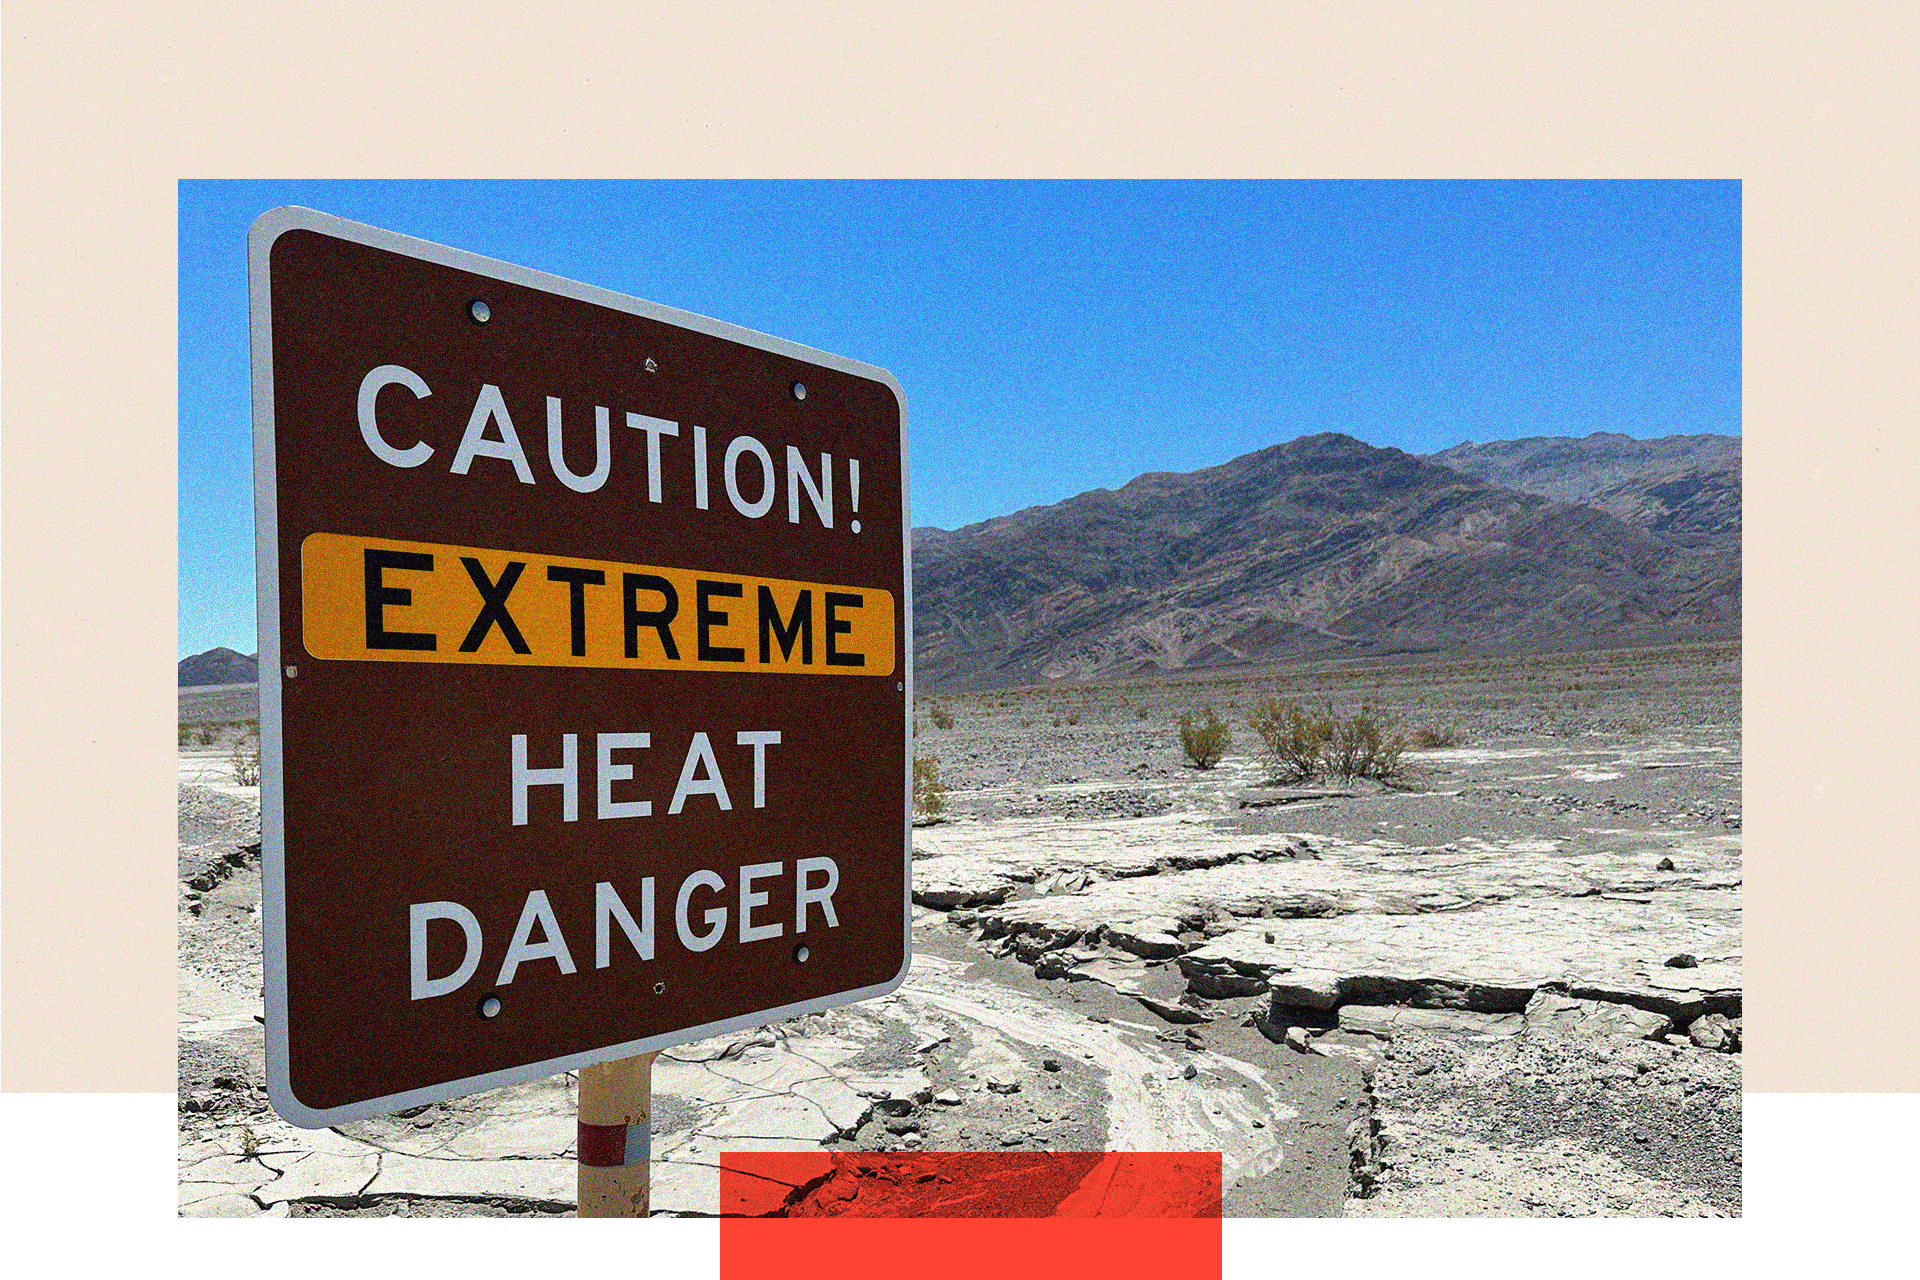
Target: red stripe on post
x,y
602,1146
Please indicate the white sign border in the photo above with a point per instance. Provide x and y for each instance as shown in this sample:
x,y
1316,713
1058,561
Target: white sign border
x,y
266,229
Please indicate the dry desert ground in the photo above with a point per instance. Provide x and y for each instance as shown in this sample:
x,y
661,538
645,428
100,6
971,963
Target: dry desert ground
x,y
1506,983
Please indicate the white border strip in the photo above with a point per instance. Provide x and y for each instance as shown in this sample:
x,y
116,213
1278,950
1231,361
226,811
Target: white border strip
x,y
260,239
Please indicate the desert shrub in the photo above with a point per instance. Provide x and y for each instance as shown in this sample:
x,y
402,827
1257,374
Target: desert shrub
x,y
941,717
186,734
1204,740
1301,743
1293,737
1427,737
1143,713
1360,749
204,735
929,793
244,761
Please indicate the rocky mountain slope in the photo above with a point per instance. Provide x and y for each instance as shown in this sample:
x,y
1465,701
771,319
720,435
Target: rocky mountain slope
x,y
219,666
1579,469
1697,507
1321,547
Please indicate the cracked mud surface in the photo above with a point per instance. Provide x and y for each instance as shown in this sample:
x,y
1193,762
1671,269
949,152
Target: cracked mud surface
x,y
1453,998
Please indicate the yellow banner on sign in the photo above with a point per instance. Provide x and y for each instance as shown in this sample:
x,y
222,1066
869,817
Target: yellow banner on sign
x,y
378,600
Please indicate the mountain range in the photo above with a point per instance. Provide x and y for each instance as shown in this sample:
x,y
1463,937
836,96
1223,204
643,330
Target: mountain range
x,y
1685,488
1578,469
1326,547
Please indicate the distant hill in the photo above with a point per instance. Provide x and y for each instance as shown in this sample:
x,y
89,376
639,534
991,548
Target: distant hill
x,y
219,666
1320,547
1698,507
1576,469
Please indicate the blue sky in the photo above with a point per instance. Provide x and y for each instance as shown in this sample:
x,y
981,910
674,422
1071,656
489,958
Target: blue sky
x,y
1055,337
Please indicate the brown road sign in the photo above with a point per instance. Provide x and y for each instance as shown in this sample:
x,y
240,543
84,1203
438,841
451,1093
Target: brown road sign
x,y
585,679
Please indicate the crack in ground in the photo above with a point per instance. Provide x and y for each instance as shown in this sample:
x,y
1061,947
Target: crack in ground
x,y
507,1204
708,1164
379,1163
835,1131
826,1073
1001,938
443,1159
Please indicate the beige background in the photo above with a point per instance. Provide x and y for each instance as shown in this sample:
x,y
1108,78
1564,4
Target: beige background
x,y
106,105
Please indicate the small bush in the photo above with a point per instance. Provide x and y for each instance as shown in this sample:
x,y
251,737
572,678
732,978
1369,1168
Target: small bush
x,y
1427,737
1300,744
244,762
1143,713
941,717
1293,737
1360,750
186,734
929,793
1204,740
204,735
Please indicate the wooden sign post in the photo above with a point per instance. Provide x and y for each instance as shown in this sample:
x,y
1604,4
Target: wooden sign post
x,y
616,1138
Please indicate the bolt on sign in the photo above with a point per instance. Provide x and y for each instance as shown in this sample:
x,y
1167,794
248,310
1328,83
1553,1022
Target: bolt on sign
x,y
585,681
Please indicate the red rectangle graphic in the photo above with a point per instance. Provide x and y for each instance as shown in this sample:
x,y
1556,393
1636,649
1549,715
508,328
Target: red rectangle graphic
x,y
849,1215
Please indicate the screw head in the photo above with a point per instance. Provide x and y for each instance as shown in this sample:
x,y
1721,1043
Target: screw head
x,y
798,390
489,1006
800,953
479,312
